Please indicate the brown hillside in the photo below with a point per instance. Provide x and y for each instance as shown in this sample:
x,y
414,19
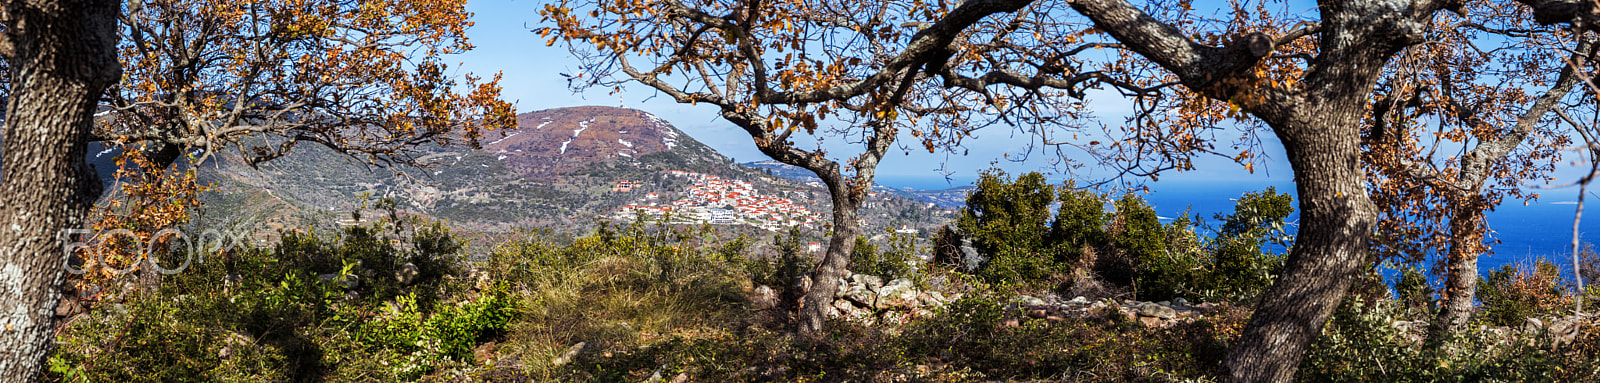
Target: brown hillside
x,y
556,141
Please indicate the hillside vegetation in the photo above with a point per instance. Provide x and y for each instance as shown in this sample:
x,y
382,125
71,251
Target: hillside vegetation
x,y
1091,291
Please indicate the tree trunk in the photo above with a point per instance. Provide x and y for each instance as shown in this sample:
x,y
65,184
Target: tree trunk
x,y
63,54
1321,137
825,278
1461,280
1336,220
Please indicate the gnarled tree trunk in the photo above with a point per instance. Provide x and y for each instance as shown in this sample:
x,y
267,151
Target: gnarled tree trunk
x,y
1461,279
1331,247
825,278
62,55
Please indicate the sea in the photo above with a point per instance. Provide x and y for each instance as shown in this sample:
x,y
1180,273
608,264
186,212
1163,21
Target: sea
x,y
1542,228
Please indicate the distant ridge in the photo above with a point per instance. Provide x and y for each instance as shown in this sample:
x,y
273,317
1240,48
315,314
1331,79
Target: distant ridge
x,y
551,142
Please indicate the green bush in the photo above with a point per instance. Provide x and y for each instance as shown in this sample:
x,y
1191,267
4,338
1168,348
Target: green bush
x,y
1240,267
897,260
1362,343
1008,222
1513,293
256,314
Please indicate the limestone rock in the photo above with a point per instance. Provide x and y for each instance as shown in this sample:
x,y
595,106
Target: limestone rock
x,y
764,298
571,353
349,281
1156,310
407,273
898,293
871,283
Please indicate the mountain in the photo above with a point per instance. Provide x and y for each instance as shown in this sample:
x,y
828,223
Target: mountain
x,y
561,169
552,142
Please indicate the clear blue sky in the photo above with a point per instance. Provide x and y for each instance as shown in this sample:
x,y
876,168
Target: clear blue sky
x,y
531,78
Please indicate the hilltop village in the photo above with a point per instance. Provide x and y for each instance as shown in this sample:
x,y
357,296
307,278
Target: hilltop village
x,y
714,200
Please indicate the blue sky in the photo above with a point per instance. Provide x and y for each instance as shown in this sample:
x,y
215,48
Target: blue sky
x,y
531,78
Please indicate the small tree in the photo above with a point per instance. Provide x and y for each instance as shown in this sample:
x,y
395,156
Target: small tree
x,y
1008,221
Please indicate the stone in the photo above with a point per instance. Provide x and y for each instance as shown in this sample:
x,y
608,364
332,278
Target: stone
x,y
1180,301
859,294
1165,303
569,355
1027,300
232,341
1158,311
407,273
67,308
1080,300
484,354
843,306
871,283
898,293
894,318
1532,325
1563,330
764,298
349,281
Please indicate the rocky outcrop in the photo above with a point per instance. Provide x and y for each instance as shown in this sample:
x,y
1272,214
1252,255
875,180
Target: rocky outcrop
x,y
868,299
1154,314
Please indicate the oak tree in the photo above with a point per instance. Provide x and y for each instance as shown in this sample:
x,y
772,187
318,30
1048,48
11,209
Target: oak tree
x,y
774,68
186,79
1307,78
1459,125
61,56
365,79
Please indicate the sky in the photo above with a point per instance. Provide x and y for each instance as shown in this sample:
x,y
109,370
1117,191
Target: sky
x,y
503,42
532,80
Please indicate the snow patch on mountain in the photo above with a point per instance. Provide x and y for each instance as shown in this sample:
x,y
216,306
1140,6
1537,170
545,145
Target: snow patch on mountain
x,y
669,136
582,126
508,136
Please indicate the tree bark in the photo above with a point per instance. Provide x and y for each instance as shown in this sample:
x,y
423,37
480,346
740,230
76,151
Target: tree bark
x,y
1461,281
63,54
825,278
1336,222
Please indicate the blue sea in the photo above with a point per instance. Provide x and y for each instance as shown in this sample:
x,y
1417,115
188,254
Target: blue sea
x,y
1543,228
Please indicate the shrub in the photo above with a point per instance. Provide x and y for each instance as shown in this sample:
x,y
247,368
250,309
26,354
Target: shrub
x,y
255,314
1362,343
897,260
1518,291
1008,222
1240,265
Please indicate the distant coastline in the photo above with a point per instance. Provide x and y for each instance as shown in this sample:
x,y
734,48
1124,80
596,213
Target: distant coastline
x,y
1542,228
